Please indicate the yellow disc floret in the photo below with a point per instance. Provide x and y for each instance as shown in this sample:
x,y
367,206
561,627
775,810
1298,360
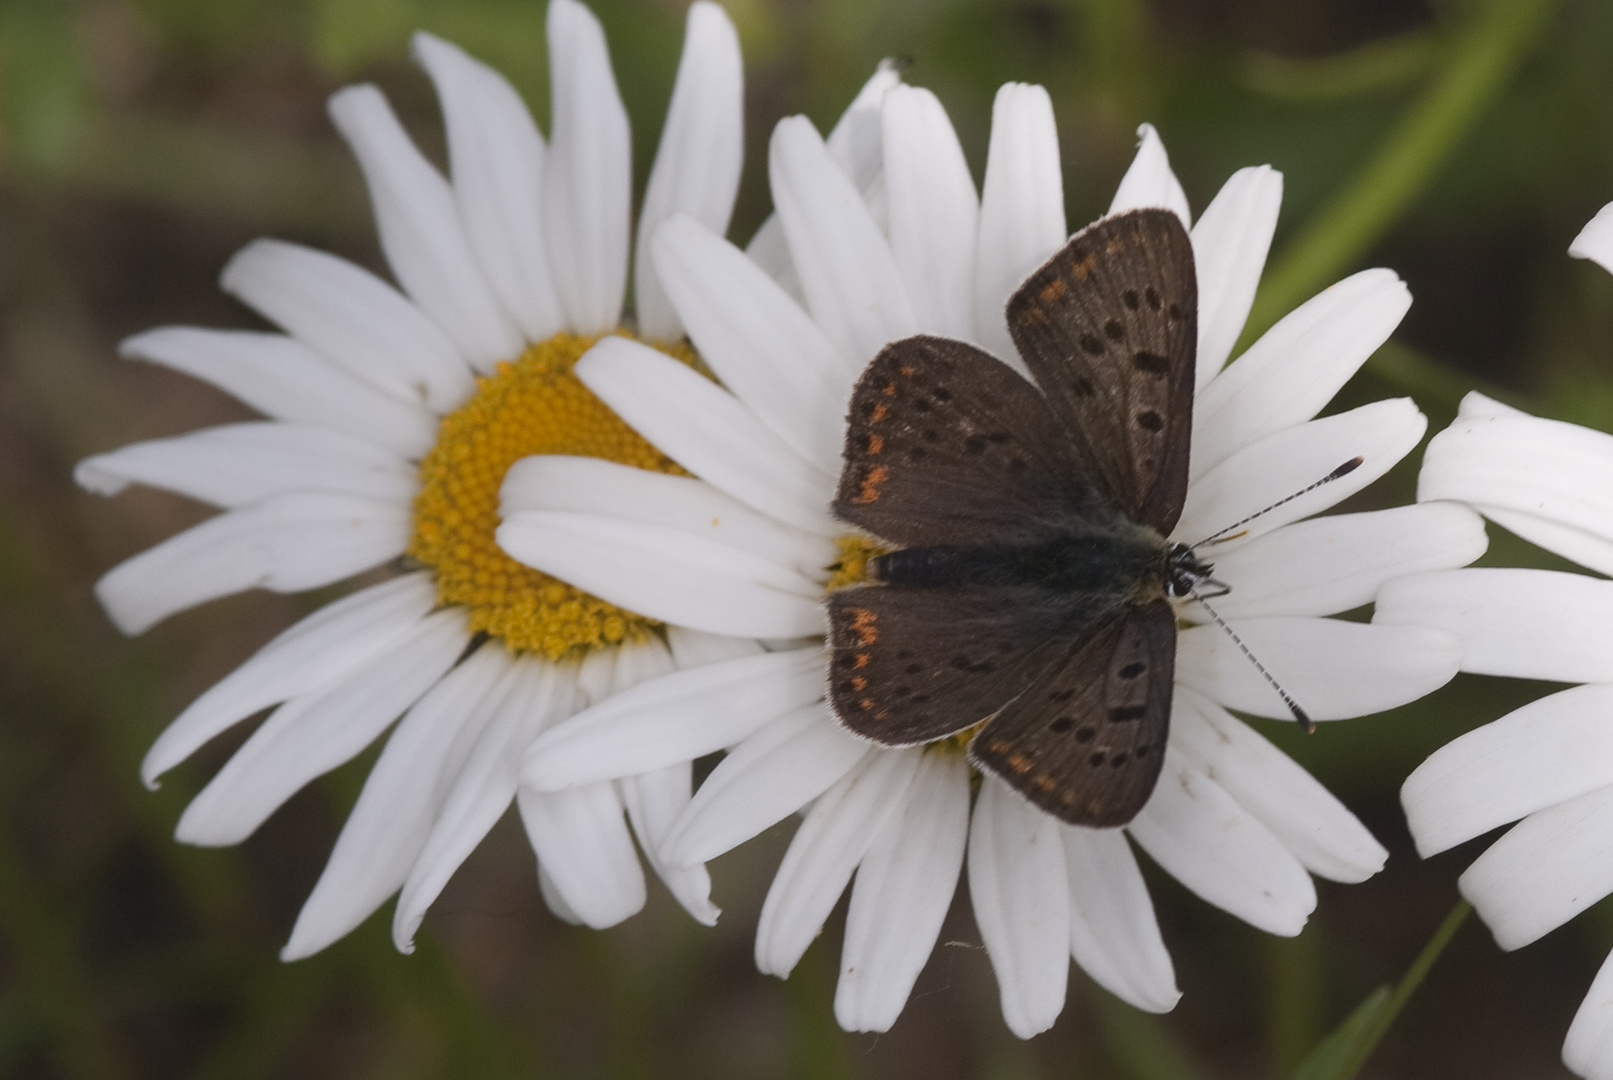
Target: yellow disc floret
x,y
532,405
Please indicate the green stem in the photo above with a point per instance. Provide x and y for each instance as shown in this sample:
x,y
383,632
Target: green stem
x,y
1480,65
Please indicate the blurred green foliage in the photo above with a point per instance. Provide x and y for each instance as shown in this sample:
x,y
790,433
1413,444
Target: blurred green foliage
x,y
141,141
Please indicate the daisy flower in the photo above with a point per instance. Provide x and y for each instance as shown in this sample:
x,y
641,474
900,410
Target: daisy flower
x,y
394,413
747,546
1549,765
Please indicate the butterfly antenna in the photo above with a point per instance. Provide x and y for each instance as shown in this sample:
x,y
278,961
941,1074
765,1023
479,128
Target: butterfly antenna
x,y
1293,706
1221,537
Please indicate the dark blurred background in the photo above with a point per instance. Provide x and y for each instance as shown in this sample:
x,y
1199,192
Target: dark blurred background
x,y
142,141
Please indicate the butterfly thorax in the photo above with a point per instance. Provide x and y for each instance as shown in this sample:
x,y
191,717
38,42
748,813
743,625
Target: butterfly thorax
x,y
1119,561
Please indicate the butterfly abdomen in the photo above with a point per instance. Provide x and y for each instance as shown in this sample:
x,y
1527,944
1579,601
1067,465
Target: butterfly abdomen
x,y
1117,560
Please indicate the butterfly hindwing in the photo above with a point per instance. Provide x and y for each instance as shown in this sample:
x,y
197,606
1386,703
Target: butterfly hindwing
x,y
914,664
946,444
1109,329
1086,740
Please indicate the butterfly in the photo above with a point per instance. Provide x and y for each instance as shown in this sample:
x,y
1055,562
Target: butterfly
x,y
1026,601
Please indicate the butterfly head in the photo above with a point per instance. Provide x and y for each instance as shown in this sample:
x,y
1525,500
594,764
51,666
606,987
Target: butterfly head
x,y
1185,571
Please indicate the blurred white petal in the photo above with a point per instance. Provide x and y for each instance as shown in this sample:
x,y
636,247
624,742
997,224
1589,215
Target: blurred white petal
x,y
1113,933
903,889
1595,242
1021,209
587,184
1149,181
837,832
283,379
1020,891
420,230
286,543
496,158
1230,243
353,319
696,168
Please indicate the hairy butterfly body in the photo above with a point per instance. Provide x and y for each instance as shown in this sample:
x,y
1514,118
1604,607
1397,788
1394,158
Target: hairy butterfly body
x,y
1027,592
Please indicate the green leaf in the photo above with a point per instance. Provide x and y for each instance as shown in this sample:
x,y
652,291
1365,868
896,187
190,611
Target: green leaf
x,y
1338,1056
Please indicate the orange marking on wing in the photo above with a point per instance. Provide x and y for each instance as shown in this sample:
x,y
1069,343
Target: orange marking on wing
x,y
859,683
875,444
880,412
862,659
1083,269
1043,782
907,370
871,483
1053,290
1018,762
1115,246
862,624
889,389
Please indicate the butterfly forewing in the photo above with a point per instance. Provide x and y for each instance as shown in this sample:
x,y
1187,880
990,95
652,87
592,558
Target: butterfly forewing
x,y
911,665
1109,329
1086,740
946,444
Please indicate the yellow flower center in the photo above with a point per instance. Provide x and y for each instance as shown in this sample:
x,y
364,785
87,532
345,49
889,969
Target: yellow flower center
x,y
532,405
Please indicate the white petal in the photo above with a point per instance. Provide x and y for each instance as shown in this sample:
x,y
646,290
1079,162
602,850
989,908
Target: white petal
x,y
1545,469
1297,366
766,778
1203,838
667,574
696,648
238,464
1020,890
401,798
856,143
655,801
315,732
1113,933
1595,240
1149,181
532,693
353,319
425,243
709,432
852,285
757,339
1021,209
321,649
1331,564
496,158
697,166
1526,624
593,486
1551,750
837,832
554,901
583,845
283,379
587,187
934,211
1332,668
903,889
285,543
1230,243
1279,466
1588,1050
678,717
1475,405
1329,840
1588,549
1543,871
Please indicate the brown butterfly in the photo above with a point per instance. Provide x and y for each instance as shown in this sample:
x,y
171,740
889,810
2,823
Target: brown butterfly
x,y
1027,597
